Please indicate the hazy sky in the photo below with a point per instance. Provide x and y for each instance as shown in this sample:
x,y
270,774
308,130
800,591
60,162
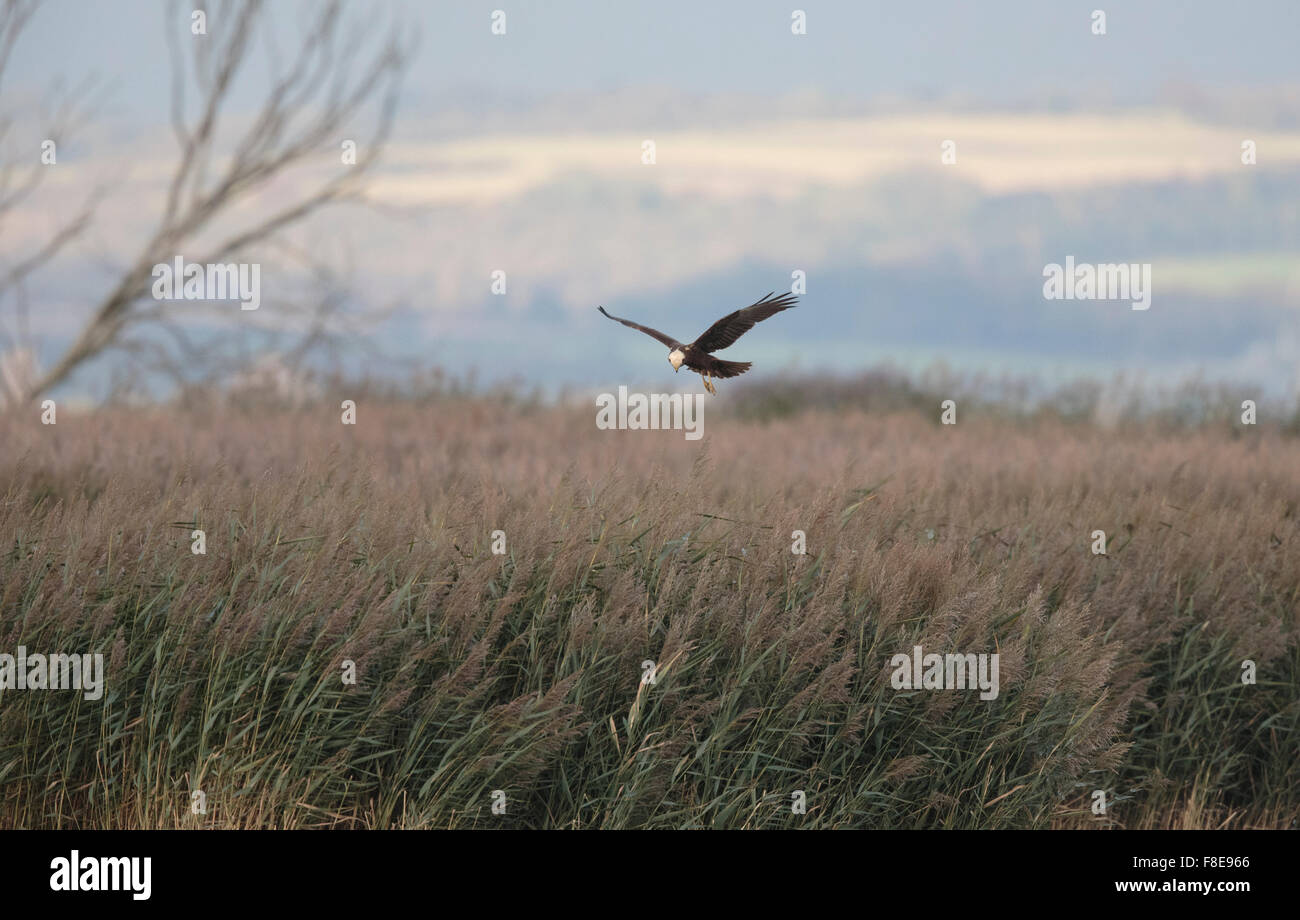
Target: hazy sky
x,y
999,50
522,153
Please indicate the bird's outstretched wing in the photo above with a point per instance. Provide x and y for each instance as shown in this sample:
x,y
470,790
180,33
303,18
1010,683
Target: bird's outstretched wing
x,y
654,333
732,326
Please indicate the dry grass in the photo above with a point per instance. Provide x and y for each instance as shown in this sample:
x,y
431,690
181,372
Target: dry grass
x,y
522,672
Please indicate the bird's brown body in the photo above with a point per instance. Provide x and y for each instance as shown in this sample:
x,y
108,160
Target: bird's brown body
x,y
697,356
704,363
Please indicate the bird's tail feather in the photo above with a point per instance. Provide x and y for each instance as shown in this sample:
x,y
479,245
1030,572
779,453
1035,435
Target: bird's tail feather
x,y
726,369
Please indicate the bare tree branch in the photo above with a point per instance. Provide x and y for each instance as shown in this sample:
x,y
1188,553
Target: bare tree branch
x,y
19,181
302,114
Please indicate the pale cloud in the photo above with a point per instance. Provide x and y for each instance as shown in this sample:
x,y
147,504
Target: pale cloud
x,y
1000,154
579,218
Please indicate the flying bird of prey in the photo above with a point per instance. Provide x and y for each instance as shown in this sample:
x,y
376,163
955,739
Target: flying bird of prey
x,y
698,356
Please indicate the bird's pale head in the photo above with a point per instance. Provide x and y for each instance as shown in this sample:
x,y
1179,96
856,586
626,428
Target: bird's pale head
x,y
676,357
